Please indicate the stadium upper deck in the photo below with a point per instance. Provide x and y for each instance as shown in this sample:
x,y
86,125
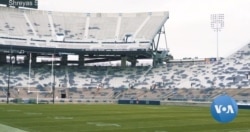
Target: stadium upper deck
x,y
80,27
86,34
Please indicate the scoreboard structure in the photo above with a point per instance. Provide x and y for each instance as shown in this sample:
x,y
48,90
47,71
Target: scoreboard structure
x,y
20,3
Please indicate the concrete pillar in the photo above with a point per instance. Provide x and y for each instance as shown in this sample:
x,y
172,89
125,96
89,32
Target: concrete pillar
x,y
133,62
81,60
15,56
3,59
64,60
26,59
33,58
123,61
154,63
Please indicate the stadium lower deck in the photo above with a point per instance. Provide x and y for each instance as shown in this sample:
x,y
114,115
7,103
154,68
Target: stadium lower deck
x,y
175,82
109,95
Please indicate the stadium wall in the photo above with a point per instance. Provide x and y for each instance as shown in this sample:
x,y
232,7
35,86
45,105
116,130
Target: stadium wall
x,y
114,101
244,107
143,102
186,103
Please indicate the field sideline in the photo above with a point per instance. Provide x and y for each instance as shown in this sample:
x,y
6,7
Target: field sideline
x,y
116,118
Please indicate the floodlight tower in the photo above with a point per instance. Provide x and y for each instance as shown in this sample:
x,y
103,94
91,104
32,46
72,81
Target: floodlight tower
x,y
217,24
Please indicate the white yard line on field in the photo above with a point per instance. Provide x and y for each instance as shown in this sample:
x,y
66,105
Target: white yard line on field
x,y
5,128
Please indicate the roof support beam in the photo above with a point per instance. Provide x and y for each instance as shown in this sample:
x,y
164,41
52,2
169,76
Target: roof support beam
x,y
52,28
118,27
141,26
158,40
86,33
30,24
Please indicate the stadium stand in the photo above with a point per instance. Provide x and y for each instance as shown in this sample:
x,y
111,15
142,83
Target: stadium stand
x,y
179,81
176,82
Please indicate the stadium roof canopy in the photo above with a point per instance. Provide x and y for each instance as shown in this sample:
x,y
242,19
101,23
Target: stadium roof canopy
x,y
80,26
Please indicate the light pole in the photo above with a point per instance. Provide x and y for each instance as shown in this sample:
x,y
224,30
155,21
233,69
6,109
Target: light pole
x,y
9,71
53,75
217,24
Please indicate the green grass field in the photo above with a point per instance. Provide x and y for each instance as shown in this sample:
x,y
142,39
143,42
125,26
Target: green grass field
x,y
116,118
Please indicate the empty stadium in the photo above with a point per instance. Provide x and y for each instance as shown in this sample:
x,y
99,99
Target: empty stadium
x,y
27,75
100,38
36,67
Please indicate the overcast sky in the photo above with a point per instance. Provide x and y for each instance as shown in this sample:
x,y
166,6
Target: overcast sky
x,y
188,29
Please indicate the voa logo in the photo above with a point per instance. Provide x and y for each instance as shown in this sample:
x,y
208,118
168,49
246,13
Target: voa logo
x,y
227,109
224,109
